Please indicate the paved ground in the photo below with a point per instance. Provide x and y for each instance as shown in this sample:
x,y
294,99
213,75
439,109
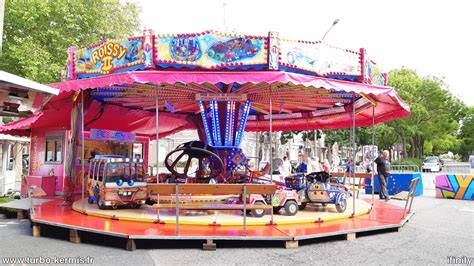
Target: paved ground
x,y
440,228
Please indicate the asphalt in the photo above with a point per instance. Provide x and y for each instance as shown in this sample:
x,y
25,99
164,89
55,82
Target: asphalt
x,y
440,228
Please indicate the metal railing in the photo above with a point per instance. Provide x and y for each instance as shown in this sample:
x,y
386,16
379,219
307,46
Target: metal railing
x,y
456,168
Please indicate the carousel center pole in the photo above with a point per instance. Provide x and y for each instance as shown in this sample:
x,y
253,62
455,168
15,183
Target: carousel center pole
x,y
83,149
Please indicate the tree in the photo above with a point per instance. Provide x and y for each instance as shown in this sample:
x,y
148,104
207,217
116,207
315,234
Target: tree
x,y
467,134
435,114
37,33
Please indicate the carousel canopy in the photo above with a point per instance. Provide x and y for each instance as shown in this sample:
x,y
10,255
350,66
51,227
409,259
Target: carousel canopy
x,y
303,85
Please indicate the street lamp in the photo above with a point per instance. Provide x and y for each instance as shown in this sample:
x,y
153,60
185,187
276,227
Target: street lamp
x,y
333,24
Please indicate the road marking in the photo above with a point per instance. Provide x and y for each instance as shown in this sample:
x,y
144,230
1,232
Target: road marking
x,y
464,209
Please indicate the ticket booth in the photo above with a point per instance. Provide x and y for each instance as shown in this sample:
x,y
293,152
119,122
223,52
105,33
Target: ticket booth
x,y
49,152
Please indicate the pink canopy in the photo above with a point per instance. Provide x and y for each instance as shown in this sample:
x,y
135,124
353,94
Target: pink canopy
x,y
57,115
123,115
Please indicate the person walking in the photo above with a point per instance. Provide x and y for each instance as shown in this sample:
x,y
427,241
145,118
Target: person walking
x,y
383,171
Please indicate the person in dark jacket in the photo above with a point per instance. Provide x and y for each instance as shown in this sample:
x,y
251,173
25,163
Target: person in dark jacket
x,y
383,171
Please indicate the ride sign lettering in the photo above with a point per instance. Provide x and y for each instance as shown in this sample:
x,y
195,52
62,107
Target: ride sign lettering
x,y
107,53
103,135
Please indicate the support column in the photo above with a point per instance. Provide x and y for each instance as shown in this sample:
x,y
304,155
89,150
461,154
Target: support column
x,y
130,246
351,236
257,160
20,215
36,230
209,245
291,244
83,150
4,166
74,236
157,123
373,153
354,156
271,134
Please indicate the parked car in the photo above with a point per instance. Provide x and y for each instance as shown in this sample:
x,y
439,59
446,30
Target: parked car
x,y
431,164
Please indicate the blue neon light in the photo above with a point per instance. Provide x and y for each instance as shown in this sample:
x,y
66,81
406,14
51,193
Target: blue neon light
x,y
245,115
232,115
213,117
205,122
227,121
217,127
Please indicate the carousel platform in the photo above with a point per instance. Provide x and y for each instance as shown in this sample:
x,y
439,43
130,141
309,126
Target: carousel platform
x,y
316,222
311,214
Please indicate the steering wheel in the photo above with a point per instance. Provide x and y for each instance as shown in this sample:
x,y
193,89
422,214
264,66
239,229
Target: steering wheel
x,y
194,150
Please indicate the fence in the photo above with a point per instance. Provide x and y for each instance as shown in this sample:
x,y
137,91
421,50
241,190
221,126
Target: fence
x,y
456,168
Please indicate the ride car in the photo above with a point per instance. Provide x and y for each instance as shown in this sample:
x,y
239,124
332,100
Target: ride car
x,y
115,181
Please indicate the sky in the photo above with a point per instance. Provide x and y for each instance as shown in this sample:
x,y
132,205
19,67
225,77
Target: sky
x,y
432,37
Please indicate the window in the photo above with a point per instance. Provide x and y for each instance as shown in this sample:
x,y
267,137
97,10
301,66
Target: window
x,y
100,172
117,171
53,149
137,150
137,172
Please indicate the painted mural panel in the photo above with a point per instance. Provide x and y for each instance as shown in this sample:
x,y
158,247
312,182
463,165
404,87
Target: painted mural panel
x,y
319,58
109,56
451,186
373,74
210,50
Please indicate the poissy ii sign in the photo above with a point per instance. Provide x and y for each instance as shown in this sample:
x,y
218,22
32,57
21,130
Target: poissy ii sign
x,y
109,56
106,53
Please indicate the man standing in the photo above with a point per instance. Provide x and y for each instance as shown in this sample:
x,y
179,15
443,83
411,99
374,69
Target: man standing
x,y
383,170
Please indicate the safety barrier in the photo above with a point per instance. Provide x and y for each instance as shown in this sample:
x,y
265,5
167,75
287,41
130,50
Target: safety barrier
x,y
404,168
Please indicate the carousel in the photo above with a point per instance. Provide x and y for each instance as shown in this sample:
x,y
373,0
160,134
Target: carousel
x,y
118,95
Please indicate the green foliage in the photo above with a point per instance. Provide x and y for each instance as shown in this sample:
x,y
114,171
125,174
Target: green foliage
x,y
428,147
408,161
6,120
341,136
5,199
467,134
435,114
286,136
37,33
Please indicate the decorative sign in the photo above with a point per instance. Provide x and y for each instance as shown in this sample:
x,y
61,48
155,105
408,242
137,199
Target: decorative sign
x,y
373,74
108,56
328,111
361,102
100,134
283,116
211,50
221,97
319,58
273,56
148,48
